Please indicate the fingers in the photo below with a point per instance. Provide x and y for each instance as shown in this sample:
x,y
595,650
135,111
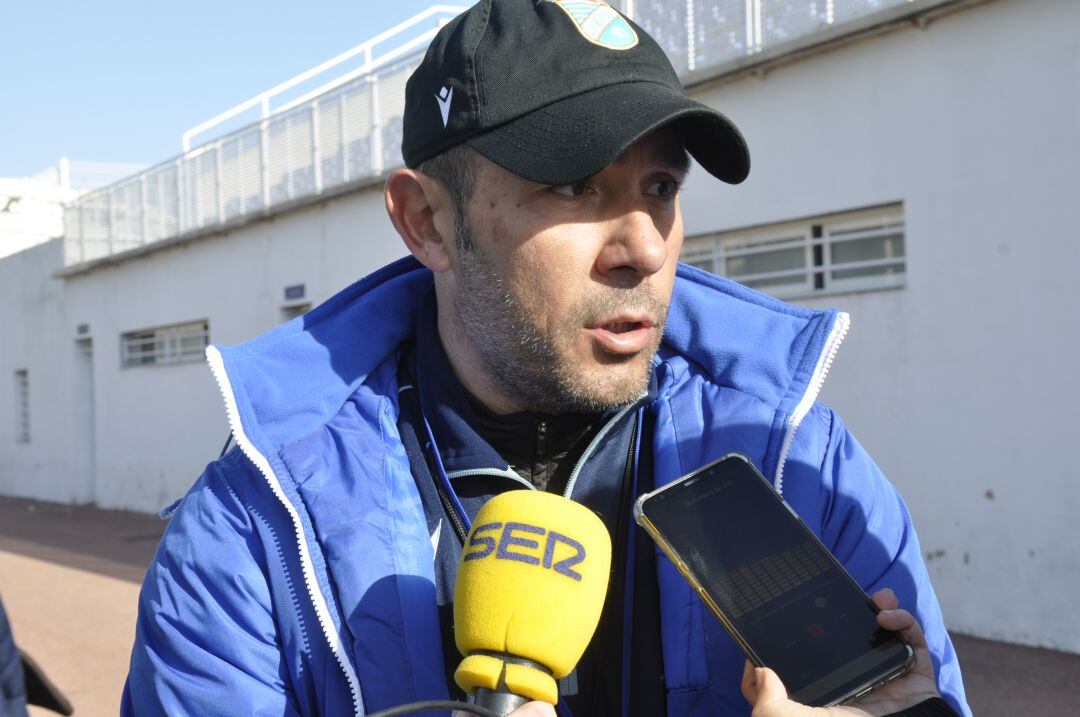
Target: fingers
x,y
762,687
904,623
901,621
748,685
885,599
769,688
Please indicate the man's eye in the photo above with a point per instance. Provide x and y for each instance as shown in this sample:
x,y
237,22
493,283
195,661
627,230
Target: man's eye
x,y
571,190
665,188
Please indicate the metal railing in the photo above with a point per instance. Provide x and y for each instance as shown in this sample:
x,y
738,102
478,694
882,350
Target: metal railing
x,y
349,129
79,176
344,131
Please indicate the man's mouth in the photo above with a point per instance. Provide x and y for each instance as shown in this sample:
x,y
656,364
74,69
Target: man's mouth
x,y
624,335
621,327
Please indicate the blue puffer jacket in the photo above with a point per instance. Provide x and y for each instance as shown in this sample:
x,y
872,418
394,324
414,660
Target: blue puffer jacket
x,y
12,682
296,576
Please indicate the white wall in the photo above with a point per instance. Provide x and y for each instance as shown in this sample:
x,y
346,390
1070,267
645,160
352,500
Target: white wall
x,y
963,384
157,426
30,213
37,338
959,383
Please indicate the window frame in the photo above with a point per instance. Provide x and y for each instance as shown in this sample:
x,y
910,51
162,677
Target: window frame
x,y
293,309
164,345
22,406
817,237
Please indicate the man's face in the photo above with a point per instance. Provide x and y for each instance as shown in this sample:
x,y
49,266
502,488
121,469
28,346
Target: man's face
x,y
563,291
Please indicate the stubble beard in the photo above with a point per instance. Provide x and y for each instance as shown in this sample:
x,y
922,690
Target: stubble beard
x,y
524,361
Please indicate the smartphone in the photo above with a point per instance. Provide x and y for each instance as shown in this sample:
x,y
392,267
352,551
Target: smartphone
x,y
784,598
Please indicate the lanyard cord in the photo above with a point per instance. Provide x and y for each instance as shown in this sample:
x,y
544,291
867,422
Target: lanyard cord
x,y
451,503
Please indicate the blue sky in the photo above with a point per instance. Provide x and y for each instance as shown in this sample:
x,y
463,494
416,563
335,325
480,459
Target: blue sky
x,y
121,80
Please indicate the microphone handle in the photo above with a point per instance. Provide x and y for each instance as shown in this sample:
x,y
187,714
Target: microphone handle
x,y
501,702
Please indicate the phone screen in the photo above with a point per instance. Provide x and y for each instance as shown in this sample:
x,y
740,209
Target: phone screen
x,y
789,601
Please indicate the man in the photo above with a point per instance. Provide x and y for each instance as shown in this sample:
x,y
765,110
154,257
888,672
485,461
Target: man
x,y
542,336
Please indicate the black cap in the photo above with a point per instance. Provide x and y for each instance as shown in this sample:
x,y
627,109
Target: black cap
x,y
554,91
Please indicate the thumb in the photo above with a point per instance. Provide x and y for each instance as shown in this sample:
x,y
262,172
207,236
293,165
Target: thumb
x,y
770,689
771,697
534,709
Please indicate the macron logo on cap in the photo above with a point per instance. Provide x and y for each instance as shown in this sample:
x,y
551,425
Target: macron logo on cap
x,y
443,97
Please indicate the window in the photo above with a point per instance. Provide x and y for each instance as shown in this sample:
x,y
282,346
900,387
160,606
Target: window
x,y
853,251
22,406
291,311
178,343
296,303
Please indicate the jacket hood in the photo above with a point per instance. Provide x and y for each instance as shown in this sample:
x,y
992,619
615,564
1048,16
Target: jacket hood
x,y
286,383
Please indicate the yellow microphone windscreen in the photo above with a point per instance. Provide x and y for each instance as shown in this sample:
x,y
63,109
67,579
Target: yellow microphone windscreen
x,y
530,588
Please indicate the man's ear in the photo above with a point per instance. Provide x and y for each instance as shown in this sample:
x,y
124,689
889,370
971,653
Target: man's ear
x,y
420,210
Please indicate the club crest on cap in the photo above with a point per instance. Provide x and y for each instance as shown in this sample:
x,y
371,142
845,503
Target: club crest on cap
x,y
599,23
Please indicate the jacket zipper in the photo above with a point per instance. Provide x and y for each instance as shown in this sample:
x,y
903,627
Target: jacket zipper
x,y
318,600
817,380
509,473
593,444
448,507
540,448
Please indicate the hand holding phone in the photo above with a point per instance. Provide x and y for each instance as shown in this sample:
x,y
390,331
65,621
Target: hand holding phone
x,y
787,602
768,696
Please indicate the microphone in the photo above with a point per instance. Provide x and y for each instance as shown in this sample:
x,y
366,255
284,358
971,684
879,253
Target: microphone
x,y
530,588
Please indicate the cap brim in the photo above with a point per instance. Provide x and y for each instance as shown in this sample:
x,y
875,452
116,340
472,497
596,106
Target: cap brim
x,y
577,137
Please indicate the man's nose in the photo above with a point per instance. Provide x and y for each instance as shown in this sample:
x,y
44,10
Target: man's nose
x,y
634,246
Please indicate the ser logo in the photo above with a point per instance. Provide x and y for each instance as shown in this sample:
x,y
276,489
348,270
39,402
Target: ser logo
x,y
487,545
